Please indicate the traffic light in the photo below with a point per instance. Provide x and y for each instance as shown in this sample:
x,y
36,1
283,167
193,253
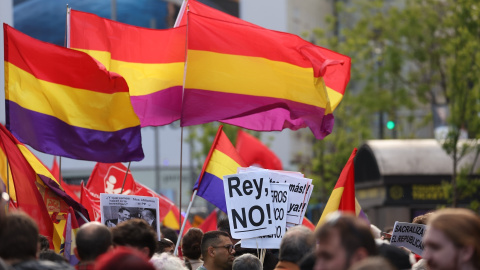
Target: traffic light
x,y
390,125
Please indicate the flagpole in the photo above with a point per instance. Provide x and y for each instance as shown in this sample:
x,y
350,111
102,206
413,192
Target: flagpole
x,y
125,178
8,184
59,170
180,182
175,252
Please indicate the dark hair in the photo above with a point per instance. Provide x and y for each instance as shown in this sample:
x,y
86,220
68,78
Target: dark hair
x,y
163,244
136,233
123,209
296,242
123,258
191,243
353,232
211,238
169,234
93,239
223,225
19,237
50,255
44,242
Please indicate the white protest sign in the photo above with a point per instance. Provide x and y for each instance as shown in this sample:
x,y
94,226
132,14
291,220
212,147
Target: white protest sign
x,y
249,204
298,196
117,208
279,194
253,168
408,235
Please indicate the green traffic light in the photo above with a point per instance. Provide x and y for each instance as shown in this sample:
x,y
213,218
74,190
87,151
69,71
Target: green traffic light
x,y
390,125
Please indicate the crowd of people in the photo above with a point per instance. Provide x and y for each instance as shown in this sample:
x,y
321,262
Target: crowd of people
x,y
342,242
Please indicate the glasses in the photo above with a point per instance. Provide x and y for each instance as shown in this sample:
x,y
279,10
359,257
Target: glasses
x,y
228,247
5,197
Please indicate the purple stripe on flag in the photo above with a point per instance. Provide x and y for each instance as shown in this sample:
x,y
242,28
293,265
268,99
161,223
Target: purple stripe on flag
x,y
41,131
212,191
254,112
159,108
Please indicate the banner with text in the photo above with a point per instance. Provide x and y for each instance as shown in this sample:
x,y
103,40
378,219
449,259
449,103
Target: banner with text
x,y
249,204
408,235
117,208
279,193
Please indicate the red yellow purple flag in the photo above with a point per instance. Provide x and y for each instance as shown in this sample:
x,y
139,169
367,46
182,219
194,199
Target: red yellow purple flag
x,y
222,160
343,194
151,61
254,78
336,77
63,102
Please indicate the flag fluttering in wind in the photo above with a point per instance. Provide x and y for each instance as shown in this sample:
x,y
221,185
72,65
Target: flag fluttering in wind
x,y
210,223
65,103
151,61
253,151
33,189
343,194
69,236
222,160
336,77
254,78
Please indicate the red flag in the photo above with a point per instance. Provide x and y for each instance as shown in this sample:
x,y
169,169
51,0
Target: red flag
x,y
108,178
307,223
253,151
23,191
210,223
91,202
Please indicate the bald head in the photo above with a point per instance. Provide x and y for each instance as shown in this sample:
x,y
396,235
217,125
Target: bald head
x,y
93,239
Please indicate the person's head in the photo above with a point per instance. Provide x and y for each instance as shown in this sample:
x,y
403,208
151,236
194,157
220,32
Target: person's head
x,y
191,242
44,243
168,233
167,261
50,255
123,258
123,214
148,215
452,240
217,250
342,241
223,225
296,242
136,233
247,262
19,238
93,239
422,219
165,245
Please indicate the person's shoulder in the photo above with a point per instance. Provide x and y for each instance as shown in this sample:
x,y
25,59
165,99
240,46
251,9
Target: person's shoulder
x,y
41,265
201,268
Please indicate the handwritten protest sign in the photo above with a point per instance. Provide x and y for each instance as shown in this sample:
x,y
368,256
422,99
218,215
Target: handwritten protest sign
x,y
249,204
408,235
117,208
279,194
298,196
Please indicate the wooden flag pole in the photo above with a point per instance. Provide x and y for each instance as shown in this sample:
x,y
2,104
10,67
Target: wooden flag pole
x,y
125,178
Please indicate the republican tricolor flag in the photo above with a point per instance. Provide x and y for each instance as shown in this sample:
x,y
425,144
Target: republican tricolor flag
x,y
222,160
65,103
343,194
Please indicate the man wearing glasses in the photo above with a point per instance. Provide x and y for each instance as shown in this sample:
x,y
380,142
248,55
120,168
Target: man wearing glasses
x,y
217,251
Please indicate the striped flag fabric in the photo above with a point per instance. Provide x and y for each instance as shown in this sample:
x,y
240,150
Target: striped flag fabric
x,y
255,78
151,61
63,102
343,194
336,77
221,160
